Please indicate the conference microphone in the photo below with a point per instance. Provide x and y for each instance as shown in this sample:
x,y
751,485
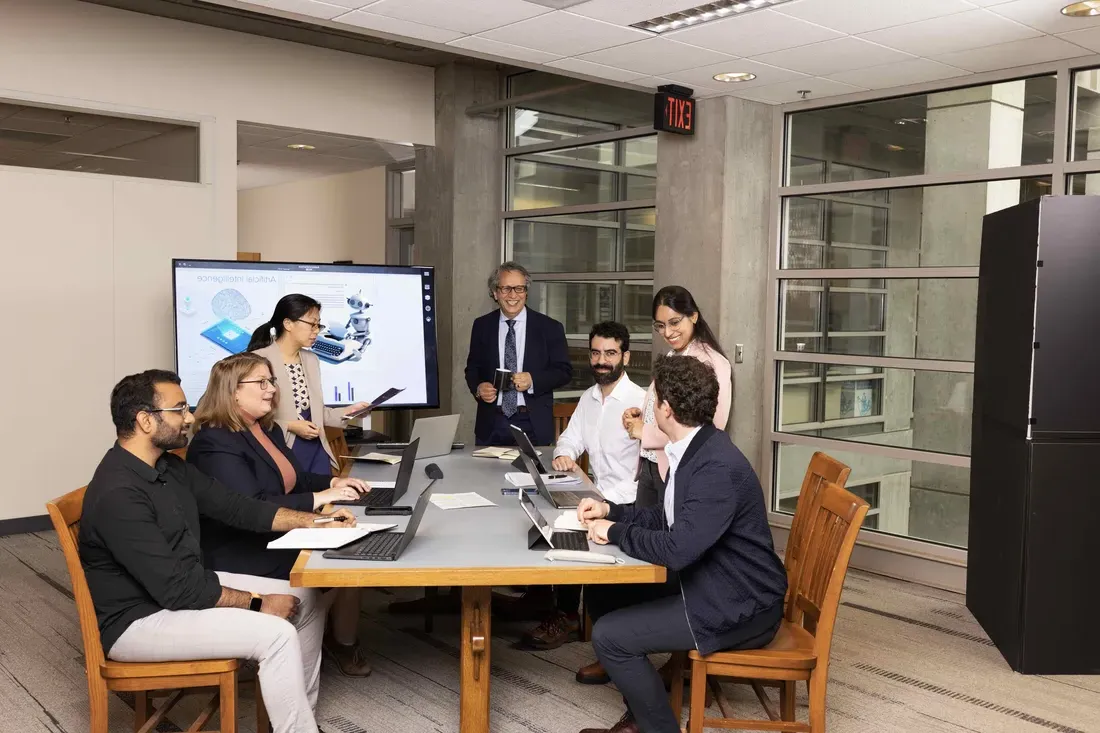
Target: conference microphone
x,y
433,472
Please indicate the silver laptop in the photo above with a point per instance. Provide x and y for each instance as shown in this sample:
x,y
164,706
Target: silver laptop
x,y
558,499
436,435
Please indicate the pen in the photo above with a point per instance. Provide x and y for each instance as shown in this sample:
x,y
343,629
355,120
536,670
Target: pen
x,y
323,520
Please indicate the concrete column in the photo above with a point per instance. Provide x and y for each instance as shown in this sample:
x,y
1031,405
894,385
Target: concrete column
x,y
458,204
713,199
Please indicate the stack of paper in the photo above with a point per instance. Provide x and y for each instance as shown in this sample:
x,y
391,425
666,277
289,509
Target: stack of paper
x,y
568,520
380,457
324,538
460,501
523,480
504,454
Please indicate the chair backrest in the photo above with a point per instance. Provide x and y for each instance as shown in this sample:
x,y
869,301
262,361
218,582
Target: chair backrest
x,y
823,469
833,526
65,514
339,444
562,412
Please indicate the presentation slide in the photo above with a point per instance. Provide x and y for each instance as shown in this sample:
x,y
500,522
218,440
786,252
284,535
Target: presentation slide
x,y
378,324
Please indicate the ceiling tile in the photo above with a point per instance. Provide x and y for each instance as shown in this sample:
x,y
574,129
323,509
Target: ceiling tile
x,y
1017,53
1088,38
972,29
861,16
755,33
625,12
829,57
503,50
597,70
704,76
914,71
325,10
1043,15
465,16
396,26
789,91
565,34
988,3
655,56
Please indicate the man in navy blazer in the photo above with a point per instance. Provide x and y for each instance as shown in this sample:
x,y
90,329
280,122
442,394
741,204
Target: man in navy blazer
x,y
725,584
528,344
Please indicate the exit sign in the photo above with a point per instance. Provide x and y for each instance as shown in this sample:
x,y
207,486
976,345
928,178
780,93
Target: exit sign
x,y
674,113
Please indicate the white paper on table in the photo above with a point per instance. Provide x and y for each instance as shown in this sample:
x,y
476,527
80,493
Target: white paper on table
x,y
379,457
522,480
467,500
568,520
317,538
374,527
382,484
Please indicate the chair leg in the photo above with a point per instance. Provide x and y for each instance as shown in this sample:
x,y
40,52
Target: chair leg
x,y
698,696
262,721
817,702
786,701
228,703
676,691
141,709
97,698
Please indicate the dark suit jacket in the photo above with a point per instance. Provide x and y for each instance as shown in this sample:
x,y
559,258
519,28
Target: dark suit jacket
x,y
719,544
237,461
545,358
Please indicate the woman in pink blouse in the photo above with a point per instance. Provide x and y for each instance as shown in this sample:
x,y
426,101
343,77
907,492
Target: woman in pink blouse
x,y
678,319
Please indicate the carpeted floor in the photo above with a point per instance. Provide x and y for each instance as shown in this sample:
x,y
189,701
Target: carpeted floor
x,y
905,659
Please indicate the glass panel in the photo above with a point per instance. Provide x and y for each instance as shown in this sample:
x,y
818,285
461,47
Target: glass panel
x,y
600,173
579,109
581,305
911,498
978,128
906,408
1086,115
1084,184
408,193
606,241
531,127
939,226
69,140
639,370
927,318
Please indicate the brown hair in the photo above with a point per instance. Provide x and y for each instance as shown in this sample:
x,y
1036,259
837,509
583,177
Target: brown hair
x,y
218,406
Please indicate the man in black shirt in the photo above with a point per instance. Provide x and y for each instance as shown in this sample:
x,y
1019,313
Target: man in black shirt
x,y
139,546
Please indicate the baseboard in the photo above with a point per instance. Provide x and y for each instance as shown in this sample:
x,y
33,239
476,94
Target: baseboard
x,y
23,525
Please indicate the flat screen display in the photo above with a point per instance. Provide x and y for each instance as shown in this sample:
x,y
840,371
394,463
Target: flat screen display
x,y
378,324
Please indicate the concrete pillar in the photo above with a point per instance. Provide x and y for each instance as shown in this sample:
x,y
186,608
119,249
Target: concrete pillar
x,y
458,197
713,199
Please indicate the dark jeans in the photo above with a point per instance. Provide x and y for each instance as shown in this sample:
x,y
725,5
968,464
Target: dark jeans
x,y
651,489
501,434
622,638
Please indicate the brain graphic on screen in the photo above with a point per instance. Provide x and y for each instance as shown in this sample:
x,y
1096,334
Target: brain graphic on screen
x,y
231,304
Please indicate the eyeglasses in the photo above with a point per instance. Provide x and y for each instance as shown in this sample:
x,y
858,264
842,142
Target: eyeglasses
x,y
509,289
610,353
264,383
672,325
315,326
184,410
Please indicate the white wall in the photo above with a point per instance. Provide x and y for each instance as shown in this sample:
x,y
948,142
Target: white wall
x,y
91,253
340,217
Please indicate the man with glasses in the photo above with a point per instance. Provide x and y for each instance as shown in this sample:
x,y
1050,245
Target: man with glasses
x,y
531,348
139,546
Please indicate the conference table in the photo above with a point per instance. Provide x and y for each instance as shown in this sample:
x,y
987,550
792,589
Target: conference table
x,y
471,548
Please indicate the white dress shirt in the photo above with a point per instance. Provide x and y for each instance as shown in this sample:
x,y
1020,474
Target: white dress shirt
x,y
597,427
675,452
521,343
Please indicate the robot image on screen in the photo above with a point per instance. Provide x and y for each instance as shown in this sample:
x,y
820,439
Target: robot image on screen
x,y
338,343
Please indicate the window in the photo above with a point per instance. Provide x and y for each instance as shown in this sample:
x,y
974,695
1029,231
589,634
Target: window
x,y
33,136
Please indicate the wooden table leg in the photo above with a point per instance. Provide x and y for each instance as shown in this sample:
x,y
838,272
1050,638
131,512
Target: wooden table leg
x,y
474,678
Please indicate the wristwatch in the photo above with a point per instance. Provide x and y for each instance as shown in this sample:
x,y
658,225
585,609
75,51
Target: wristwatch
x,y
256,602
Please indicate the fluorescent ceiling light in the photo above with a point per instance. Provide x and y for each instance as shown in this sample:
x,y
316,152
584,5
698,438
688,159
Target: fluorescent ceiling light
x,y
708,12
733,76
1082,9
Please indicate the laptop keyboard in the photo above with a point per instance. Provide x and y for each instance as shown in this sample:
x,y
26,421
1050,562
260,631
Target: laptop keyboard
x,y
374,497
380,546
572,497
570,541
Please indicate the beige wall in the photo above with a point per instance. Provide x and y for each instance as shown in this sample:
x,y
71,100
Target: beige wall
x,y
92,253
316,220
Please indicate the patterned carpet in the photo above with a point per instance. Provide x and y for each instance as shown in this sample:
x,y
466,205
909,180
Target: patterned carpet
x,y
906,658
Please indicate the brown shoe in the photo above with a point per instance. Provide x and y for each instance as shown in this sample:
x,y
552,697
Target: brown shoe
x,y
554,631
626,724
349,658
593,674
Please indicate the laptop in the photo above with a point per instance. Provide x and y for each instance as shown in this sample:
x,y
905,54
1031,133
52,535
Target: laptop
x,y
558,540
387,496
526,448
436,435
558,499
386,546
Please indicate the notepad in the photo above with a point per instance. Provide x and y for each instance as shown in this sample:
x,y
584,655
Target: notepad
x,y
378,457
466,500
568,520
320,538
504,454
522,480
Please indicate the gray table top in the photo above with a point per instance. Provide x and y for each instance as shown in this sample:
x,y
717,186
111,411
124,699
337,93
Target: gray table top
x,y
453,546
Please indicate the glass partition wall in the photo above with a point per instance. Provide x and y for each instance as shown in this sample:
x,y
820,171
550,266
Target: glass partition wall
x,y
874,282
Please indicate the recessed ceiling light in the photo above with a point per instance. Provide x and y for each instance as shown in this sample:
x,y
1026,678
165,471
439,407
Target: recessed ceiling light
x,y
704,13
301,146
732,76
894,148
1084,9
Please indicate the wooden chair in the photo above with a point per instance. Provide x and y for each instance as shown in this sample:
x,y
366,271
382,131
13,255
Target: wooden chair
x,y
562,412
140,678
339,444
800,650
823,469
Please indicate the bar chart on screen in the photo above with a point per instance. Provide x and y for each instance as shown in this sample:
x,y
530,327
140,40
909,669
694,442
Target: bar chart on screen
x,y
349,394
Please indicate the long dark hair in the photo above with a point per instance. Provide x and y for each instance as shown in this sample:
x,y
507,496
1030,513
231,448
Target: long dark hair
x,y
680,300
292,307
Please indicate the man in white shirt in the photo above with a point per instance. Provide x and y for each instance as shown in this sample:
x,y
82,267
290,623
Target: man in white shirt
x,y
596,428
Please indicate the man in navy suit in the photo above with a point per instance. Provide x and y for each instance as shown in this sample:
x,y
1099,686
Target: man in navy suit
x,y
526,343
